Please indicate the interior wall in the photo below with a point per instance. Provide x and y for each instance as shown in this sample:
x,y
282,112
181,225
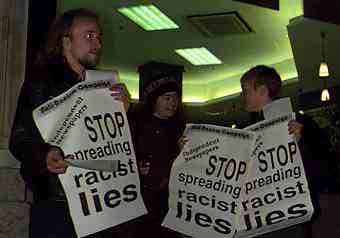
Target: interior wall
x,y
14,206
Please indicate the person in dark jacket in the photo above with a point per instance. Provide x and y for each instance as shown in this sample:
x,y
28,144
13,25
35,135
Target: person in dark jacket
x,y
260,86
73,45
156,127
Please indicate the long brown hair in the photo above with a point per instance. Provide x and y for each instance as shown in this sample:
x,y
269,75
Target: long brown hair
x,y
53,48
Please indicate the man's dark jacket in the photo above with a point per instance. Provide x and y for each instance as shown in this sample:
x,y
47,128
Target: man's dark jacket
x,y
26,144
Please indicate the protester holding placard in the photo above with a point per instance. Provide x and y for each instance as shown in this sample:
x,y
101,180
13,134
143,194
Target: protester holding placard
x,y
260,86
73,45
156,127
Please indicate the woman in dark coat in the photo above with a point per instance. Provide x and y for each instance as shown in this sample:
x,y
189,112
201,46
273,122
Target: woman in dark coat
x,y
156,127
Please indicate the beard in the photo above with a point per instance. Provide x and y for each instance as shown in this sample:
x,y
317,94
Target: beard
x,y
90,61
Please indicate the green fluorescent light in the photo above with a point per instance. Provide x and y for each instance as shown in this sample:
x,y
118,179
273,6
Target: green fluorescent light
x,y
149,17
198,56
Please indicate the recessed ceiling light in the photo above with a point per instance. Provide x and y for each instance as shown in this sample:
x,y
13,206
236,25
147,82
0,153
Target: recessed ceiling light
x,y
198,56
149,17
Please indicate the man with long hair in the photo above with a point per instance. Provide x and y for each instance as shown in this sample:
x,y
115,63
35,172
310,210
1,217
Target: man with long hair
x,y
73,45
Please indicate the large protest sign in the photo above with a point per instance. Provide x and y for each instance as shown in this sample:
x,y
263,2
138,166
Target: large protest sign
x,y
206,180
277,108
86,122
275,194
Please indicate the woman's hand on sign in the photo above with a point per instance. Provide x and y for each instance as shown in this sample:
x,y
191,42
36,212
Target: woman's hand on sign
x,y
294,127
144,167
119,92
182,141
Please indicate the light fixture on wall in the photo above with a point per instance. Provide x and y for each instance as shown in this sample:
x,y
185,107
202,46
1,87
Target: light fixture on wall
x,y
325,95
323,70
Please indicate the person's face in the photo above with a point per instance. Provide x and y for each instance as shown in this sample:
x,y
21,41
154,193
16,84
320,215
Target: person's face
x,y
253,98
166,105
84,43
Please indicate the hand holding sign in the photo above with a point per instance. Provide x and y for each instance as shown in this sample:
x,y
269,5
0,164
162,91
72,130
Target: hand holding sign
x,y
120,93
55,161
101,183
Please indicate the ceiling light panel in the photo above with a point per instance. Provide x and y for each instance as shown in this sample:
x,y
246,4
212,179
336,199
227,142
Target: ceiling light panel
x,y
149,17
198,56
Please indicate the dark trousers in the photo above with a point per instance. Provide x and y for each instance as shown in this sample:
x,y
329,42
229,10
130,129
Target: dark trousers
x,y
51,219
149,225
297,231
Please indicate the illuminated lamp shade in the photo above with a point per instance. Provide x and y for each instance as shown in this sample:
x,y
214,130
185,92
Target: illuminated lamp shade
x,y
325,95
323,70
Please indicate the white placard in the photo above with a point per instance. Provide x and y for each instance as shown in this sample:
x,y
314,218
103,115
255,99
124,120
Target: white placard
x,y
277,108
275,194
95,75
108,165
206,181
85,121
226,180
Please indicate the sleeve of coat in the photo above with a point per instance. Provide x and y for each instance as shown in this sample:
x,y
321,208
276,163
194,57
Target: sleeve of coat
x,y
315,147
26,143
